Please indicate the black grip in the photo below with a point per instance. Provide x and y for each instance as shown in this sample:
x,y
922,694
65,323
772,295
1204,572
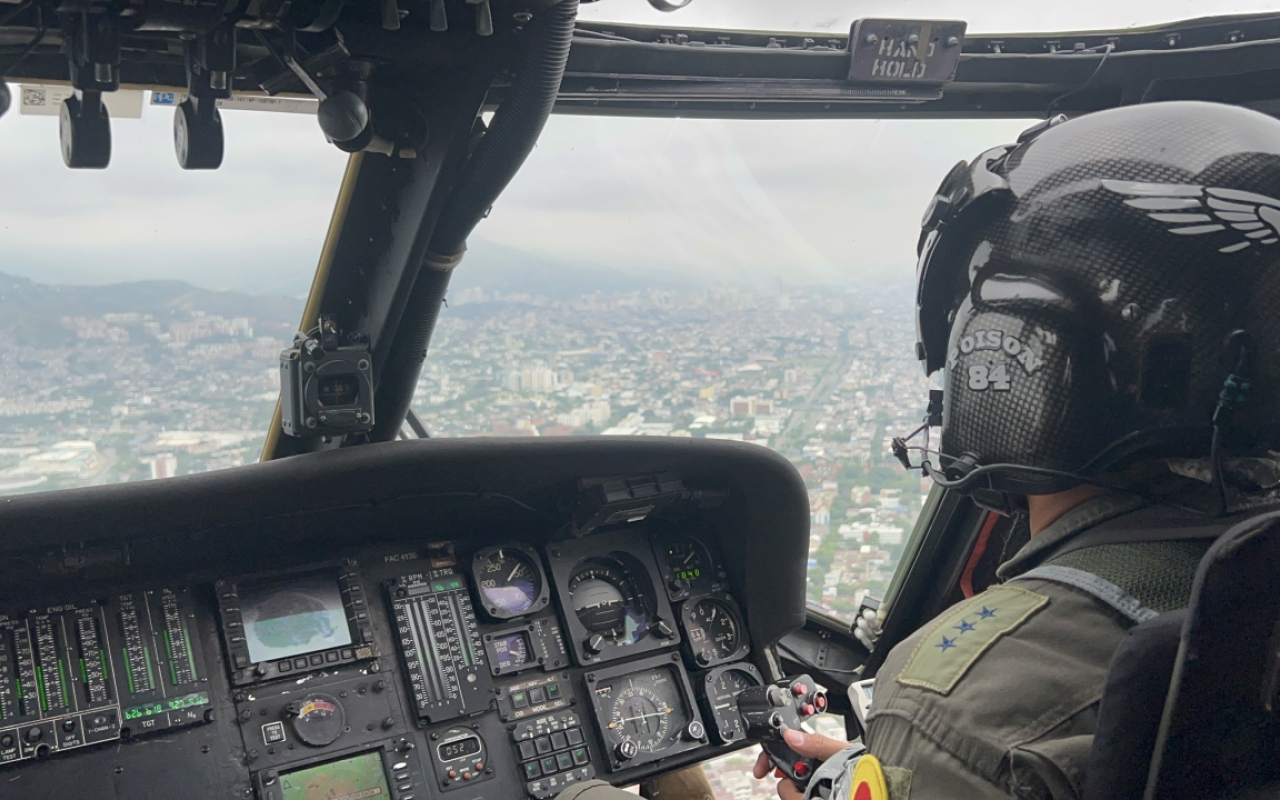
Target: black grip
x,y
769,711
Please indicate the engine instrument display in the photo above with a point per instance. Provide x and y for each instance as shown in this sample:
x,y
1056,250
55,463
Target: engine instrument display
x,y
608,601
720,690
714,628
645,714
509,579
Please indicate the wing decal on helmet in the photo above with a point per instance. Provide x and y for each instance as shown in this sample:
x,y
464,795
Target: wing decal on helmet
x,y
1190,210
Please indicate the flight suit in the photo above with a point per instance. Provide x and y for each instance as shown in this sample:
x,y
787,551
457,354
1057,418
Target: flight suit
x,y
998,696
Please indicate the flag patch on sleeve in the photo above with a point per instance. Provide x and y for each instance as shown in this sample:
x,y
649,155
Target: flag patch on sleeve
x,y
945,653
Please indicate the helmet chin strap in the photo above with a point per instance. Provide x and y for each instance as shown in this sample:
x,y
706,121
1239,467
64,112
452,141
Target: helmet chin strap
x,y
1235,391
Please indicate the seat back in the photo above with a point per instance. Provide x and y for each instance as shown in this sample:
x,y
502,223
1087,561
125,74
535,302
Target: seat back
x,y
1219,735
1132,706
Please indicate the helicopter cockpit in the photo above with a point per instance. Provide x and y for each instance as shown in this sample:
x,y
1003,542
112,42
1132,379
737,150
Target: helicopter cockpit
x,y
360,616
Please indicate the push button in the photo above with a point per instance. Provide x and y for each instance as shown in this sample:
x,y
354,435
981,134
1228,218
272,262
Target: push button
x,y
532,770
300,662
575,736
537,695
553,691
519,700
580,756
549,765
543,744
559,741
564,761
527,751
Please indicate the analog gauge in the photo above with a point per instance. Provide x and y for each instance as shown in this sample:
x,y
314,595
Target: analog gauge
x,y
722,688
642,712
686,565
510,581
714,629
687,559
608,601
714,632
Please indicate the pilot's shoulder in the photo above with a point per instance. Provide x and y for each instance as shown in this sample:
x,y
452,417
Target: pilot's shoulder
x,y
1010,670
1016,633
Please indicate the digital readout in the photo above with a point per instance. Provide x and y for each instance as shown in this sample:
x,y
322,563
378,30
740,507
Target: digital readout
x,y
511,652
688,574
164,706
459,748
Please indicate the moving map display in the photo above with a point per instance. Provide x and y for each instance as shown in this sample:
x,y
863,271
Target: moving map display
x,y
294,617
357,778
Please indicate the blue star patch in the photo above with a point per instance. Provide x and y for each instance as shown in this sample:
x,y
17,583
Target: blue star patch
x,y
964,626
947,644
987,613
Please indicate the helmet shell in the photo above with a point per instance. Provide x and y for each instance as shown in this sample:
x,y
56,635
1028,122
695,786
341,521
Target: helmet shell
x,y
1088,280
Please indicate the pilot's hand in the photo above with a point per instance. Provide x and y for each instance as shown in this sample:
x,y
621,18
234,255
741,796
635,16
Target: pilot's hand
x,y
810,745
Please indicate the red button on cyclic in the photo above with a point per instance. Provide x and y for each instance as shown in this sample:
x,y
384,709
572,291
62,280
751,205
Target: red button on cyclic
x,y
820,701
799,690
807,709
801,769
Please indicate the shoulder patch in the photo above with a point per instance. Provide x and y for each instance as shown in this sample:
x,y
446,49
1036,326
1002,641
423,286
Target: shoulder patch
x,y
944,653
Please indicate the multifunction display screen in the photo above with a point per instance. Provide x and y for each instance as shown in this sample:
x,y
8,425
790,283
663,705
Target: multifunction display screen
x,y
293,617
357,778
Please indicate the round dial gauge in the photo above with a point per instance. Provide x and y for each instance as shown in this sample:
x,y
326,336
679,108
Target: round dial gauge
x,y
609,602
687,560
715,633
686,565
644,708
723,687
509,580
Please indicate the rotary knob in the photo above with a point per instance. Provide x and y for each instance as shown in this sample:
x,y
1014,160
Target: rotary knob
x,y
694,731
318,719
595,644
626,750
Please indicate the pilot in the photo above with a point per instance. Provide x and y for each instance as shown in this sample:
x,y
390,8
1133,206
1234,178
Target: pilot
x,y
1104,299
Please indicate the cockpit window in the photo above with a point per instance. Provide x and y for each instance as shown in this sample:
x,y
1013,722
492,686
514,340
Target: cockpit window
x,y
741,280
145,307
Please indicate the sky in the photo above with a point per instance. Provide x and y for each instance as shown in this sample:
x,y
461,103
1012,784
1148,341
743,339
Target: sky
x,y
805,201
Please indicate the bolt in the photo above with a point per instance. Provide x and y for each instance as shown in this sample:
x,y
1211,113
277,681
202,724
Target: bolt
x,y
952,41
522,17
913,39
1130,312
872,38
311,422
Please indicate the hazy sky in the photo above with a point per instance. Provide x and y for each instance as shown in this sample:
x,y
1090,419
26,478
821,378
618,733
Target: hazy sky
x,y
803,200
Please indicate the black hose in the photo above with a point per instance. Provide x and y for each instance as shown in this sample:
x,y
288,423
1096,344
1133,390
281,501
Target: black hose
x,y
516,126
515,129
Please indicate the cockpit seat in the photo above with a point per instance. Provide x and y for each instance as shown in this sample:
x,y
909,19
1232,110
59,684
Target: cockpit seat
x,y
1187,710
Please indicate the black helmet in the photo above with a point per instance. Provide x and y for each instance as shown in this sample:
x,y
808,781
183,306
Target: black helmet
x,y
1105,290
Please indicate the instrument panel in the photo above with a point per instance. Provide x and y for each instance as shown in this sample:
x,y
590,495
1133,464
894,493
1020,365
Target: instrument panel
x,y
405,674
452,619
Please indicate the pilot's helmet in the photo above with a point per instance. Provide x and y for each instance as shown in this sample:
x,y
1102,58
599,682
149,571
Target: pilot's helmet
x,y
1106,290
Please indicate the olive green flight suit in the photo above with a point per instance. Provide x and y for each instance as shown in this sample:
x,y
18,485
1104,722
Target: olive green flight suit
x,y
998,696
